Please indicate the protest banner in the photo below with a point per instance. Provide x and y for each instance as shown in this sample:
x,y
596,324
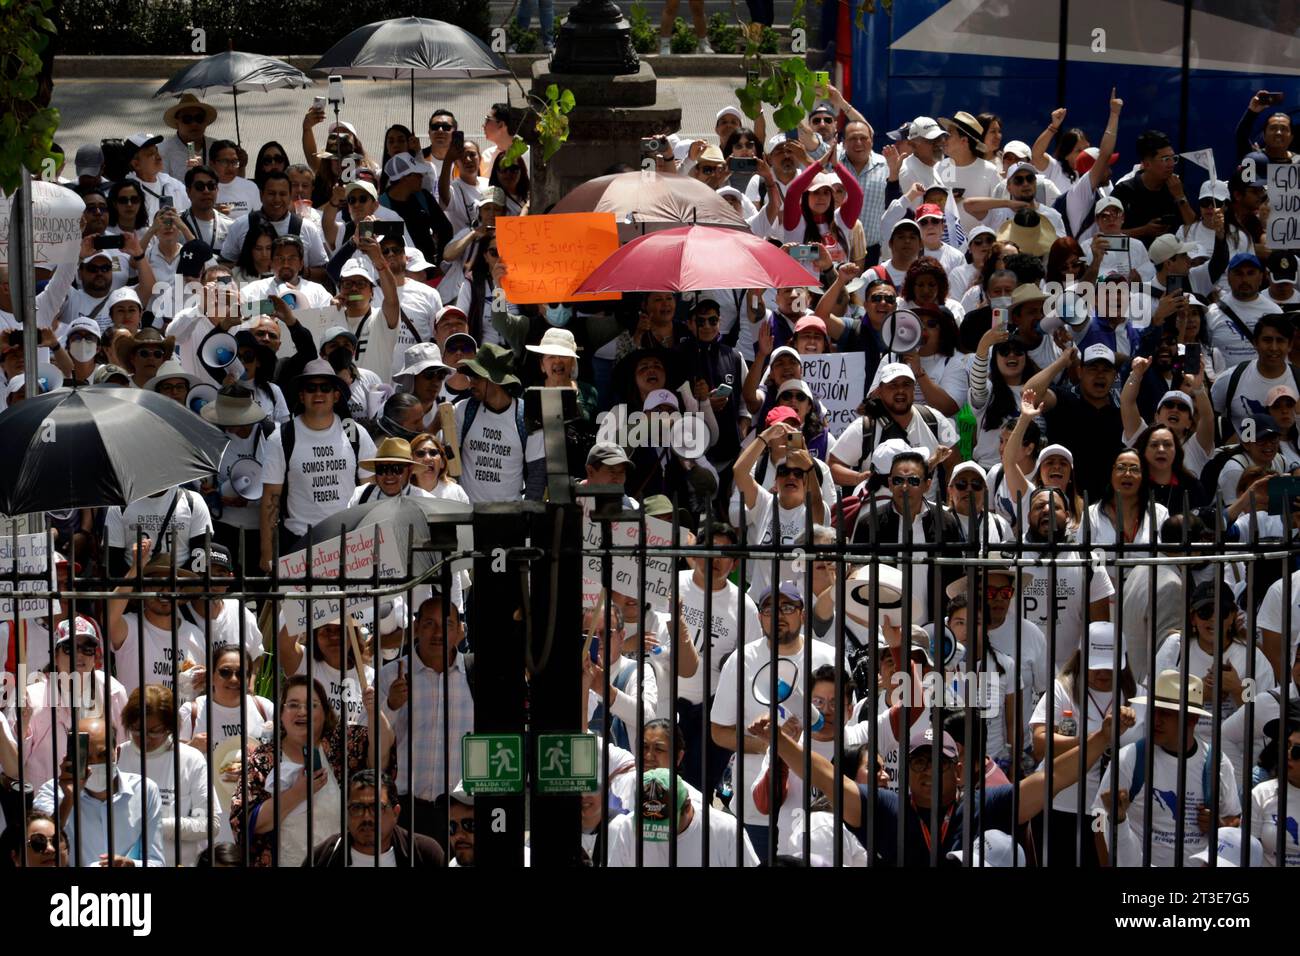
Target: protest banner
x,y
360,550
33,558
839,381
548,257
56,225
1284,205
659,570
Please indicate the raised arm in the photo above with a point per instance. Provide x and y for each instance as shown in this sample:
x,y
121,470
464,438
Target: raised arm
x,y
1017,481
852,207
1065,767
1130,417
1038,152
794,195
778,433
823,771
1101,167
1042,382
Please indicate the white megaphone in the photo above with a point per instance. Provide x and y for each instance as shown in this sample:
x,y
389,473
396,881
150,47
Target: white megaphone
x,y
901,332
1068,310
246,478
200,395
217,353
787,675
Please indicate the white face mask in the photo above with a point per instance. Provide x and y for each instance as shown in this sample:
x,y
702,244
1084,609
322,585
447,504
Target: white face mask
x,y
82,350
162,747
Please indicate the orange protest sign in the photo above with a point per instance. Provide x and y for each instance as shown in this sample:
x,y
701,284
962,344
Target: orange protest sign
x,y
547,257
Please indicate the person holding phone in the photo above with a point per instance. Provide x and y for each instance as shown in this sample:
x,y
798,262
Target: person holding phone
x,y
1276,139
147,172
1154,202
360,201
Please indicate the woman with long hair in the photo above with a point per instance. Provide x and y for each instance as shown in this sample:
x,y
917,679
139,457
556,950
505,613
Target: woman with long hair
x,y
1054,467
1171,485
254,260
315,747
397,139
998,372
1066,264
992,124
259,369
126,212
431,472
809,214
513,179
1081,701
1125,509
978,294
272,157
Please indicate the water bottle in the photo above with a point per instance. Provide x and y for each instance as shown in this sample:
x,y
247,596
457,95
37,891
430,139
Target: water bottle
x,y
1068,727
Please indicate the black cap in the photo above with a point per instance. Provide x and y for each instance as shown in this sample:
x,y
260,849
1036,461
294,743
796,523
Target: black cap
x,y
1282,266
194,256
1203,595
1272,727
1265,424
216,556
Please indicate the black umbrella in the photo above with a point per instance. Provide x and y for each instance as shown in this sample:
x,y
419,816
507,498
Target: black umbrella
x,y
411,46
411,519
100,445
236,72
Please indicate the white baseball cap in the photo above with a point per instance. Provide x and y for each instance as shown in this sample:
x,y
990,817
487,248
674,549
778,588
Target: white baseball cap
x,y
1101,647
1098,353
1016,148
892,370
883,455
1214,189
924,127
1107,202
358,266
659,397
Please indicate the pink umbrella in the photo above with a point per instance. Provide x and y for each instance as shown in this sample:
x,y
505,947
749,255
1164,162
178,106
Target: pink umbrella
x,y
692,258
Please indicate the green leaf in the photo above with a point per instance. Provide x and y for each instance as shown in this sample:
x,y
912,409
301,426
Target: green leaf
x,y
552,92
567,101
750,104
787,117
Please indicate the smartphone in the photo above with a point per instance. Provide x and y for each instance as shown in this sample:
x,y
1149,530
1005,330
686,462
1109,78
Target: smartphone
x,y
263,307
190,148
805,252
821,78
365,230
795,442
1176,285
722,391
1116,243
792,133
595,649
387,230
318,102
81,743
1282,489
110,242
1272,99
743,164
1192,359
458,138
165,202
334,89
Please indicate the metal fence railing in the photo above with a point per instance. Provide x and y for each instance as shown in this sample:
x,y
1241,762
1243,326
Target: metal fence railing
x,y
989,720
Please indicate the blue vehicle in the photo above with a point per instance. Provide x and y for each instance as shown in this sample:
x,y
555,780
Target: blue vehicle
x,y
1186,67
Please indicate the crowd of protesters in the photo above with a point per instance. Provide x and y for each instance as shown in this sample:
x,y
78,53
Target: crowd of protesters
x,y
1061,346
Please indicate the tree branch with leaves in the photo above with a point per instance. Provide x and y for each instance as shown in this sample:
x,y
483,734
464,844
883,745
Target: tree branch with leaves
x,y
27,122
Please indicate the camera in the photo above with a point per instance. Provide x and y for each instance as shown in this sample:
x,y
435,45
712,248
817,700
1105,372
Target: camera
x,y
654,145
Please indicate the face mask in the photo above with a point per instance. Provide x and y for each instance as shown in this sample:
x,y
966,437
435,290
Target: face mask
x,y
82,350
558,315
340,359
162,747
97,777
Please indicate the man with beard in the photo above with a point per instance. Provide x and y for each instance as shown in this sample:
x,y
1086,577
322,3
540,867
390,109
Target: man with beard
x,y
373,831
781,613
1049,524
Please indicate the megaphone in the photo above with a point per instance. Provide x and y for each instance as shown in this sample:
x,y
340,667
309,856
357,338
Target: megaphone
x,y
246,478
947,651
888,598
200,395
1068,310
901,332
216,352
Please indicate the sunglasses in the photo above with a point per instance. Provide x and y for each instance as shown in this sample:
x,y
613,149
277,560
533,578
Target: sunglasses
x,y
83,647
40,843
430,374
898,481
1294,752
822,120
440,127
710,169
1206,612
128,200
96,210
882,297
150,353
465,825
1005,592
784,471
1010,350
357,199
268,160
205,185
708,320
428,453
1020,180
1212,202
363,809
962,484
227,673
391,468
314,388
190,117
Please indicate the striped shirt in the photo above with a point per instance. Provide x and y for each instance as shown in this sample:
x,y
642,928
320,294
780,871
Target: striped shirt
x,y
425,779
873,178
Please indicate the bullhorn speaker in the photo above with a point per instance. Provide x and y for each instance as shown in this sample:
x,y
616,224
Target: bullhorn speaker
x,y
901,332
216,352
200,395
1068,310
787,675
246,478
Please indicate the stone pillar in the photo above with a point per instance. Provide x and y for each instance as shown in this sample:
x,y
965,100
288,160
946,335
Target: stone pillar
x,y
611,115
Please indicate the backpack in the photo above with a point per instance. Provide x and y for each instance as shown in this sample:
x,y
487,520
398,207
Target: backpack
x,y
289,437
1234,379
1213,469
845,512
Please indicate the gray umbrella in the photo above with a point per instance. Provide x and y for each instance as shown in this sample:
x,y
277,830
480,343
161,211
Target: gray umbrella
x,y
411,47
236,72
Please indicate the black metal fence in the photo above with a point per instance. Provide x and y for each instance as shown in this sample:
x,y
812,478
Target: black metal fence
x,y
889,682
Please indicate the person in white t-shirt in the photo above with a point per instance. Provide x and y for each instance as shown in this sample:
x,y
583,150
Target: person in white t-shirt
x,y
143,639
1264,797
490,428
662,809
1192,805
146,171
749,669
322,470
393,465
232,709
926,138
174,520
964,169
218,619
1248,389
373,321
1233,318
342,682
236,196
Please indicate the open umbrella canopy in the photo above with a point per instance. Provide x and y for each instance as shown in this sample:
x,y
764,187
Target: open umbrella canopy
x,y
236,72
100,445
644,202
411,47
691,258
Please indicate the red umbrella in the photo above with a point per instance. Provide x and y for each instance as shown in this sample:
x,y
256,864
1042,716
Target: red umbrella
x,y
692,258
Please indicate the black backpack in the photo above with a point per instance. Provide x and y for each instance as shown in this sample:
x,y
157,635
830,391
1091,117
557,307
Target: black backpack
x,y
1214,467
